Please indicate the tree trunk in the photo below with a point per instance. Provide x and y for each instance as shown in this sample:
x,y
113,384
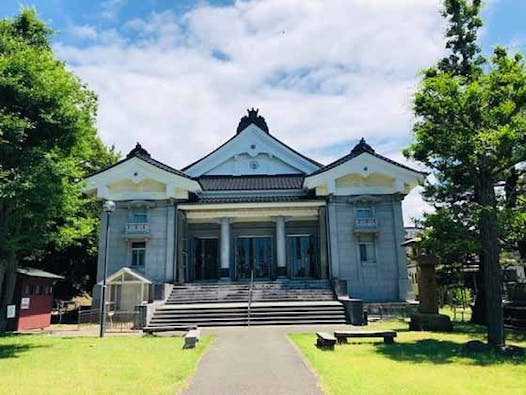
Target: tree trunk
x,y
478,315
7,287
489,243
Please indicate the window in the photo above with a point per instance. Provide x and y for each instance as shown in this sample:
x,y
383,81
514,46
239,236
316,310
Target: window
x,y
364,212
138,253
367,252
139,215
38,289
28,289
49,290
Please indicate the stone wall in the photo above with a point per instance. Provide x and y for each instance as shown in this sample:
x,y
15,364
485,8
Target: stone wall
x,y
385,279
157,259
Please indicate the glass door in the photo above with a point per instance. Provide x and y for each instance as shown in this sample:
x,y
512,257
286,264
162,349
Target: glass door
x,y
253,253
302,256
206,259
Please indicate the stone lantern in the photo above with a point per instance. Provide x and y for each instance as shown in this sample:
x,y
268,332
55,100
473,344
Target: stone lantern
x,y
427,317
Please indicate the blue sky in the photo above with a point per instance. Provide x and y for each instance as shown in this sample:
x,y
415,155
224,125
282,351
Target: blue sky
x,y
323,73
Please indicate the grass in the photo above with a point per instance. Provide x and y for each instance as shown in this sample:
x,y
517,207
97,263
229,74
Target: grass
x,y
419,363
43,364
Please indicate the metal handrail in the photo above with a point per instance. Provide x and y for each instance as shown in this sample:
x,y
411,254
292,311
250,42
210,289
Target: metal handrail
x,y
250,295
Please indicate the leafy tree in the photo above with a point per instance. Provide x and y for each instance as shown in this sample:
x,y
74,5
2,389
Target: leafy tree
x,y
48,143
471,132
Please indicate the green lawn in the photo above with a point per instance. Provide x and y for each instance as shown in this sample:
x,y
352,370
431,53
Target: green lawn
x,y
43,364
419,363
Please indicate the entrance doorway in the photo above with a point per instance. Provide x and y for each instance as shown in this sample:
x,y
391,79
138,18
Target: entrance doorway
x,y
206,259
253,253
301,256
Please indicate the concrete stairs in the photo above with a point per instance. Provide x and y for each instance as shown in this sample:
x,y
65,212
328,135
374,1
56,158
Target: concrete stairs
x,y
282,302
263,291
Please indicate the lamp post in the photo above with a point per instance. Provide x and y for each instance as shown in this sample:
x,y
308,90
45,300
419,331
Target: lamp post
x,y
108,208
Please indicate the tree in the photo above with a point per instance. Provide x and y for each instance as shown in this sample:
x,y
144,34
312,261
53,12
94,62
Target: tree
x,y
471,132
48,143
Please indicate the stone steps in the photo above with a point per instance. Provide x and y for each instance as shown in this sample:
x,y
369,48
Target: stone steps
x,y
232,314
280,290
282,302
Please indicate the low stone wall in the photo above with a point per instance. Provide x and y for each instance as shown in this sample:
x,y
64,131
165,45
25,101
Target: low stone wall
x,y
391,309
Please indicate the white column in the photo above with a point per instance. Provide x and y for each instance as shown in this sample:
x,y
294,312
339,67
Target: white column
x,y
225,247
280,246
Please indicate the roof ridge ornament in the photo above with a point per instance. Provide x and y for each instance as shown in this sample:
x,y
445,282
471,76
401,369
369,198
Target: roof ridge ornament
x,y
138,151
252,118
362,147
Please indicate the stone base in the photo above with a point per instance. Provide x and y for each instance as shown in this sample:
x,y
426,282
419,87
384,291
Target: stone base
x,y
430,322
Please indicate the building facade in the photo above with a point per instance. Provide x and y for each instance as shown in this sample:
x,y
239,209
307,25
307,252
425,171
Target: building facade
x,y
255,208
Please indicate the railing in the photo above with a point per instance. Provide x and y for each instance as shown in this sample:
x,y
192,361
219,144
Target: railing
x,y
137,228
116,321
365,224
250,289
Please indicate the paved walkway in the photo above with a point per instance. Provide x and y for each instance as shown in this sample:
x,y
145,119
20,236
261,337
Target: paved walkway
x,y
255,360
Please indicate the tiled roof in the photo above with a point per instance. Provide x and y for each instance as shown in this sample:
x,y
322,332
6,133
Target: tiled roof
x,y
359,149
259,121
252,199
251,183
141,153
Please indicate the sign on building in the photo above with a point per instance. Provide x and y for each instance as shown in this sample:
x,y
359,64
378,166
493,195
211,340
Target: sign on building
x,y
11,311
24,304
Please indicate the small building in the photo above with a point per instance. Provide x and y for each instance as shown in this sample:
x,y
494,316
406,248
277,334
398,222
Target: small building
x,y
32,299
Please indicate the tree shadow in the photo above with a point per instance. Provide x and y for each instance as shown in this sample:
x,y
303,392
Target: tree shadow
x,y
15,349
442,352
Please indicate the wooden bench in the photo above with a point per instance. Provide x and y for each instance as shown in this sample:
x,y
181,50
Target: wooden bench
x,y
191,338
156,329
342,336
325,341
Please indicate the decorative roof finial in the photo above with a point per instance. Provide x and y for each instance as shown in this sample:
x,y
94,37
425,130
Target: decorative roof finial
x,y
138,151
362,147
254,118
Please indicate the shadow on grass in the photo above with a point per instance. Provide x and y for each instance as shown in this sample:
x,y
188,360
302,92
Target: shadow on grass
x,y
442,352
14,349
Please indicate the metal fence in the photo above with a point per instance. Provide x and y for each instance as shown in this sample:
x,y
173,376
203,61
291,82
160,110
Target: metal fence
x,y
116,321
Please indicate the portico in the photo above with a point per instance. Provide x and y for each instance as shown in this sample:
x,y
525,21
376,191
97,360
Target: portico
x,y
263,240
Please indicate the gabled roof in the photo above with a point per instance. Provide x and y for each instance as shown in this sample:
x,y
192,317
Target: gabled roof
x,y
126,270
32,272
360,148
252,119
251,183
141,153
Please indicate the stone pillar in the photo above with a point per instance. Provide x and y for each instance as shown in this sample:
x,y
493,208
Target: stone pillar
x,y
281,254
427,284
333,241
170,243
323,261
400,255
181,246
225,248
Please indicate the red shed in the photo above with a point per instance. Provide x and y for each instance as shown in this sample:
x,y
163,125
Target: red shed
x,y
32,300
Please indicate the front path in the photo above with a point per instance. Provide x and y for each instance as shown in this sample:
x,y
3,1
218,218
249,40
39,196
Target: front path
x,y
255,360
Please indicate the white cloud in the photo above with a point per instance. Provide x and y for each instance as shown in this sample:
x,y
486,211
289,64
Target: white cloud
x,y
322,73
83,32
111,8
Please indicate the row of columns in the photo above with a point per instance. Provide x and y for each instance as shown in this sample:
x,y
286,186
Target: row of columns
x,y
280,246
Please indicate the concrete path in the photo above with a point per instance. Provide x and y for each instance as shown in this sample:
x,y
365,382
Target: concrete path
x,y
255,360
